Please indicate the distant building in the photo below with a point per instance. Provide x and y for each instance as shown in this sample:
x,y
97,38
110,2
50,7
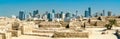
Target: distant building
x,y
50,16
62,15
53,11
87,14
103,12
57,15
68,14
109,13
73,15
35,13
21,15
30,15
44,17
13,16
76,13
38,15
89,10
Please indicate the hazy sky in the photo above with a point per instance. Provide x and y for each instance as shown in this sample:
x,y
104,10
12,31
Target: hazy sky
x,y
12,7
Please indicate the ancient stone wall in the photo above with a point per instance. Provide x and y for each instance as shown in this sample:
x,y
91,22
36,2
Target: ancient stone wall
x,y
70,34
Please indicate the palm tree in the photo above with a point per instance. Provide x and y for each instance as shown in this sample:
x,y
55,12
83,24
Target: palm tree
x,y
111,23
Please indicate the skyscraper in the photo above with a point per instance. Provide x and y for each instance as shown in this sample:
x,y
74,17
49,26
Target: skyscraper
x,y
35,13
53,11
68,14
109,13
61,13
21,15
49,16
103,12
87,13
57,15
76,13
89,10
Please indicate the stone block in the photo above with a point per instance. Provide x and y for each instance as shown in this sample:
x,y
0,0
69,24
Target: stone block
x,y
15,33
70,34
26,29
2,36
8,35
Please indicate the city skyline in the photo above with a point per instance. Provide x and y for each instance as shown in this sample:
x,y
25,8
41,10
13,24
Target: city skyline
x,y
12,7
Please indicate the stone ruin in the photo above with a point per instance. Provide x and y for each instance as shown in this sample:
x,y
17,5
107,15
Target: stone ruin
x,y
49,25
70,34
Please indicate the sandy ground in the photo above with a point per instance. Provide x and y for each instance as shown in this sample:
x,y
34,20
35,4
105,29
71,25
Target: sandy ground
x,y
30,37
37,37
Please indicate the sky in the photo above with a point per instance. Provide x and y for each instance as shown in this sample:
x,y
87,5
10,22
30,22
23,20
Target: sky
x,y
12,7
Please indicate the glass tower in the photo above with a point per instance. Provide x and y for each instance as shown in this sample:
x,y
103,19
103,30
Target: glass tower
x,y
21,15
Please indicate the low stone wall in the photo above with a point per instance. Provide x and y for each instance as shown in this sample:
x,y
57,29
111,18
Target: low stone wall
x,y
74,25
70,34
49,26
6,35
15,33
38,31
2,36
26,29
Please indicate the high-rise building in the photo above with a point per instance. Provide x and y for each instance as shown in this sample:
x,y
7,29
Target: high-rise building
x,y
53,11
62,15
87,13
89,10
53,14
103,12
109,13
35,13
50,16
30,14
57,15
68,14
44,16
96,14
76,13
73,15
21,15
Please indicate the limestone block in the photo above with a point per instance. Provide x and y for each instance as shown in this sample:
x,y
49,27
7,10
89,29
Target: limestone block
x,y
18,33
50,25
15,33
8,35
70,34
26,29
74,25
2,36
